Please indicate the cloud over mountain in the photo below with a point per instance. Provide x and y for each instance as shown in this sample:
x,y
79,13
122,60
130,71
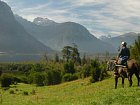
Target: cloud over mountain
x,y
13,36
57,35
101,17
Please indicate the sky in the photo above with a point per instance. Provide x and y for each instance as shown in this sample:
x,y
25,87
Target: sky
x,y
100,17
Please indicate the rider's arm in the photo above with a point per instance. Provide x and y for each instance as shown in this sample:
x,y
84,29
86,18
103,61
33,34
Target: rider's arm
x,y
120,53
128,53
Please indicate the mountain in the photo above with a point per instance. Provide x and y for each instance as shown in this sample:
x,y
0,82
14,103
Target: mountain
x,y
116,41
58,35
43,21
13,37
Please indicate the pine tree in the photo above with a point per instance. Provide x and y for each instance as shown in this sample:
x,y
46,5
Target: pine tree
x,y
56,58
135,50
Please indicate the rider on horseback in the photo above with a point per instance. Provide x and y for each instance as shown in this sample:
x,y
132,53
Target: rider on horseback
x,y
121,62
124,54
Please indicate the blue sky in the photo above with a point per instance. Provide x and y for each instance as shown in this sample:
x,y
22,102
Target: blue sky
x,y
100,17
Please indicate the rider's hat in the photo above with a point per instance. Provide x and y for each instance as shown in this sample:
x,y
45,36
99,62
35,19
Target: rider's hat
x,y
124,43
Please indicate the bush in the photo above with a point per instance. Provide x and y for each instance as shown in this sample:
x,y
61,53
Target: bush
x,y
25,93
69,77
16,80
53,77
38,79
11,92
38,67
33,92
103,72
98,72
6,80
56,77
69,67
95,71
23,79
16,90
86,71
95,74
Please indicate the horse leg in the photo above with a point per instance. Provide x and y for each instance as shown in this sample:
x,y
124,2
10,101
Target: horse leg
x,y
116,82
130,79
138,78
123,82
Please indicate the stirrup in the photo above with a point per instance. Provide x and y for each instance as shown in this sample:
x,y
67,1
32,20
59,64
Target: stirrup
x,y
121,66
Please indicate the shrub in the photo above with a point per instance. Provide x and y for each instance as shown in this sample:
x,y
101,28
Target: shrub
x,y
56,77
69,77
86,71
23,79
6,80
52,77
95,71
69,67
16,80
98,72
33,92
38,79
103,72
38,67
25,93
16,90
11,92
48,78
95,74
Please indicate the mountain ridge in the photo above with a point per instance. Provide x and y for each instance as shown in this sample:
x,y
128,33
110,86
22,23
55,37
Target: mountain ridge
x,y
13,37
129,37
58,35
43,21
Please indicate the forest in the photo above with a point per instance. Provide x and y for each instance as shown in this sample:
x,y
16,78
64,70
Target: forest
x,y
51,72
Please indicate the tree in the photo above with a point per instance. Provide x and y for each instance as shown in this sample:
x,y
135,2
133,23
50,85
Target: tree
x,y
76,55
71,53
6,80
38,79
107,56
95,71
67,50
135,50
69,67
56,58
45,56
84,61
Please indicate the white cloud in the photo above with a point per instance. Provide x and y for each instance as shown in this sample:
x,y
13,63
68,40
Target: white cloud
x,y
101,17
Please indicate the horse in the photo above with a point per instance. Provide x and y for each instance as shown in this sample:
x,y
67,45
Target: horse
x,y
125,71
110,65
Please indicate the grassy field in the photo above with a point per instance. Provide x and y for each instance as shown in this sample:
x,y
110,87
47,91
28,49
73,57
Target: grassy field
x,y
79,92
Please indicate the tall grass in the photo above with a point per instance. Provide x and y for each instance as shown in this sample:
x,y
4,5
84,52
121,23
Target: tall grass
x,y
79,92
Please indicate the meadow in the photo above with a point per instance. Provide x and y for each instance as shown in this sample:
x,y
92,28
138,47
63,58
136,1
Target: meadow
x,y
78,92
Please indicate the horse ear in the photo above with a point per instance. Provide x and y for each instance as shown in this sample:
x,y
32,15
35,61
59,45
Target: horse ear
x,y
116,61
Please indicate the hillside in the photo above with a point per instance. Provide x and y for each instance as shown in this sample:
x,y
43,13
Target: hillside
x,y
13,37
79,92
115,41
57,35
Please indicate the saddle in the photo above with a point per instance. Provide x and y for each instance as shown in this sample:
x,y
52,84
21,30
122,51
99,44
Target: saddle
x,y
119,64
121,69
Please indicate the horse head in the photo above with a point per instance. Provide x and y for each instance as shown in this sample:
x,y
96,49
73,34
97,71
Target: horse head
x,y
111,65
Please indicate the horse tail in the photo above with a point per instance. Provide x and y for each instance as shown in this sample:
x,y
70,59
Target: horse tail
x,y
136,66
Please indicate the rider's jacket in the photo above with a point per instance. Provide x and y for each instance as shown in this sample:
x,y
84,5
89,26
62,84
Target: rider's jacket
x,y
124,55
124,52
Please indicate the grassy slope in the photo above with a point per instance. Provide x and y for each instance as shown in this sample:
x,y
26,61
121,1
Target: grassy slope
x,y
79,92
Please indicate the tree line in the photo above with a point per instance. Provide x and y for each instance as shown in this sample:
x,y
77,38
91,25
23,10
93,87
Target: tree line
x,y
135,49
53,72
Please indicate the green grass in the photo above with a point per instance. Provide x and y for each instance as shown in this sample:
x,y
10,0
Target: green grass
x,y
79,92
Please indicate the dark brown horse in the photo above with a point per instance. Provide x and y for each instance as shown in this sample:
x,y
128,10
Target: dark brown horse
x,y
126,72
